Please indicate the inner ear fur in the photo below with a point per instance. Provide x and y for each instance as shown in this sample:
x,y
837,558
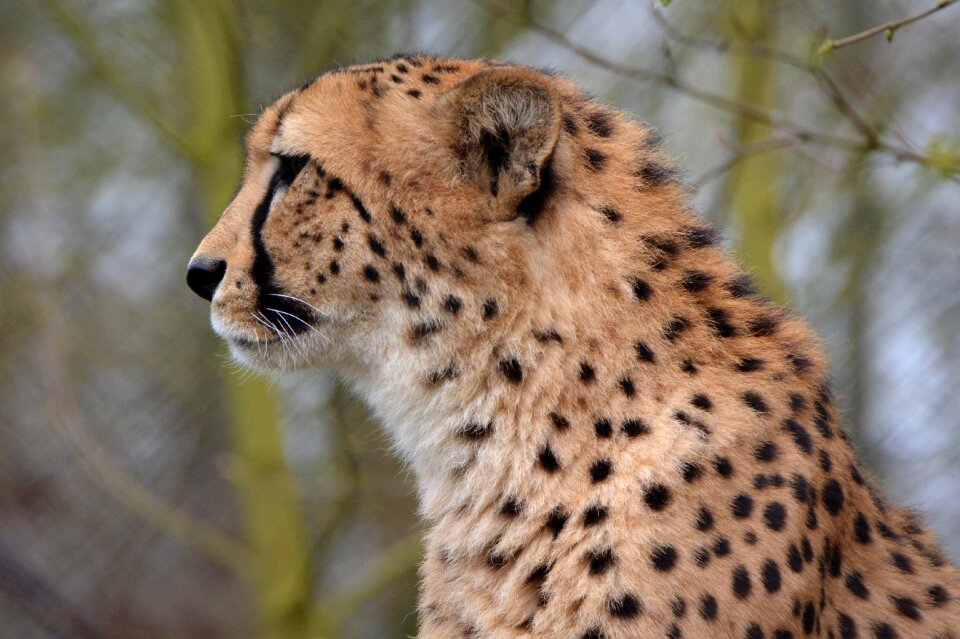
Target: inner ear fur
x,y
504,123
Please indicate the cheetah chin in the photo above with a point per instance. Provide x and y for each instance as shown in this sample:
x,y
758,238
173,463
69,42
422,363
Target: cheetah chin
x,y
613,436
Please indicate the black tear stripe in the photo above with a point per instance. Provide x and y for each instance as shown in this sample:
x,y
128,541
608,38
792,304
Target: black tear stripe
x,y
263,270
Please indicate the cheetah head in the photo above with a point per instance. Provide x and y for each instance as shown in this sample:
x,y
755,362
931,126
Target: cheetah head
x,y
366,199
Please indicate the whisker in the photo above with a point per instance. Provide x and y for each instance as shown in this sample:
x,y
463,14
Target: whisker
x,y
299,319
305,303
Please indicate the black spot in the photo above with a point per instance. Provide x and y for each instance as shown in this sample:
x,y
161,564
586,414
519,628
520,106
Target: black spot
x,y
794,558
883,630
847,627
655,174
560,422
937,595
398,215
755,401
901,562
595,159
490,309
832,497
741,582
548,460
593,633
701,401
452,304
511,507
688,367
634,427
361,209
432,262
861,529
430,79
700,236
704,519
371,274
798,403
686,420
641,290
702,557
906,607
708,607
569,124
587,373
602,427
691,471
775,516
742,506
612,214
657,497
548,335
416,237
753,631
800,435
644,353
676,326
539,574
720,321
512,370
625,606
414,93
411,299
599,124
825,462
593,515
764,325
337,244
808,618
721,546
556,520
770,575
334,267
696,281
749,365
766,451
600,560
723,466
422,329
799,362
626,385
678,606
742,286
663,558
477,431
399,270
600,470
855,585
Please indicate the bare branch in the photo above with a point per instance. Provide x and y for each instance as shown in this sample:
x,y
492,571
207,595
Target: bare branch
x,y
737,155
80,34
889,28
869,142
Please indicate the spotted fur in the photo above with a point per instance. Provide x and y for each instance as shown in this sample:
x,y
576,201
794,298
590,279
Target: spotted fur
x,y
612,435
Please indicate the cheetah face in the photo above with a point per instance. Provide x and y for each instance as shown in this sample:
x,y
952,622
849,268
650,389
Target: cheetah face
x,y
369,197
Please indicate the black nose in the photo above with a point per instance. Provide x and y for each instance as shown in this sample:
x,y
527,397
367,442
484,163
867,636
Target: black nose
x,y
204,274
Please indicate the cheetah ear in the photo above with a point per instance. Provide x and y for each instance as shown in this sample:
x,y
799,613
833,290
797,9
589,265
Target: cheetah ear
x,y
503,125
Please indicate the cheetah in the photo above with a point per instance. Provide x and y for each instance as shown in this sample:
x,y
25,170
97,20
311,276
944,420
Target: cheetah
x,y
612,434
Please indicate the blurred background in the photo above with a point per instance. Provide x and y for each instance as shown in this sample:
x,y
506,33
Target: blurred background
x,y
149,488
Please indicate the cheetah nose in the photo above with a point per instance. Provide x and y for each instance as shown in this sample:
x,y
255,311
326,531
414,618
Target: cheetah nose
x,y
204,274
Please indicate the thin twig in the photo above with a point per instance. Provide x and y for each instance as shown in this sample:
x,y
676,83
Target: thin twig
x,y
718,101
870,141
824,81
80,34
739,154
889,28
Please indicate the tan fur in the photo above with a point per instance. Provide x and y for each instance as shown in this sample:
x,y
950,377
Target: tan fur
x,y
725,455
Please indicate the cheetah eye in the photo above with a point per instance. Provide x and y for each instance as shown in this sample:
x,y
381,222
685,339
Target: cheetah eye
x,y
290,167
